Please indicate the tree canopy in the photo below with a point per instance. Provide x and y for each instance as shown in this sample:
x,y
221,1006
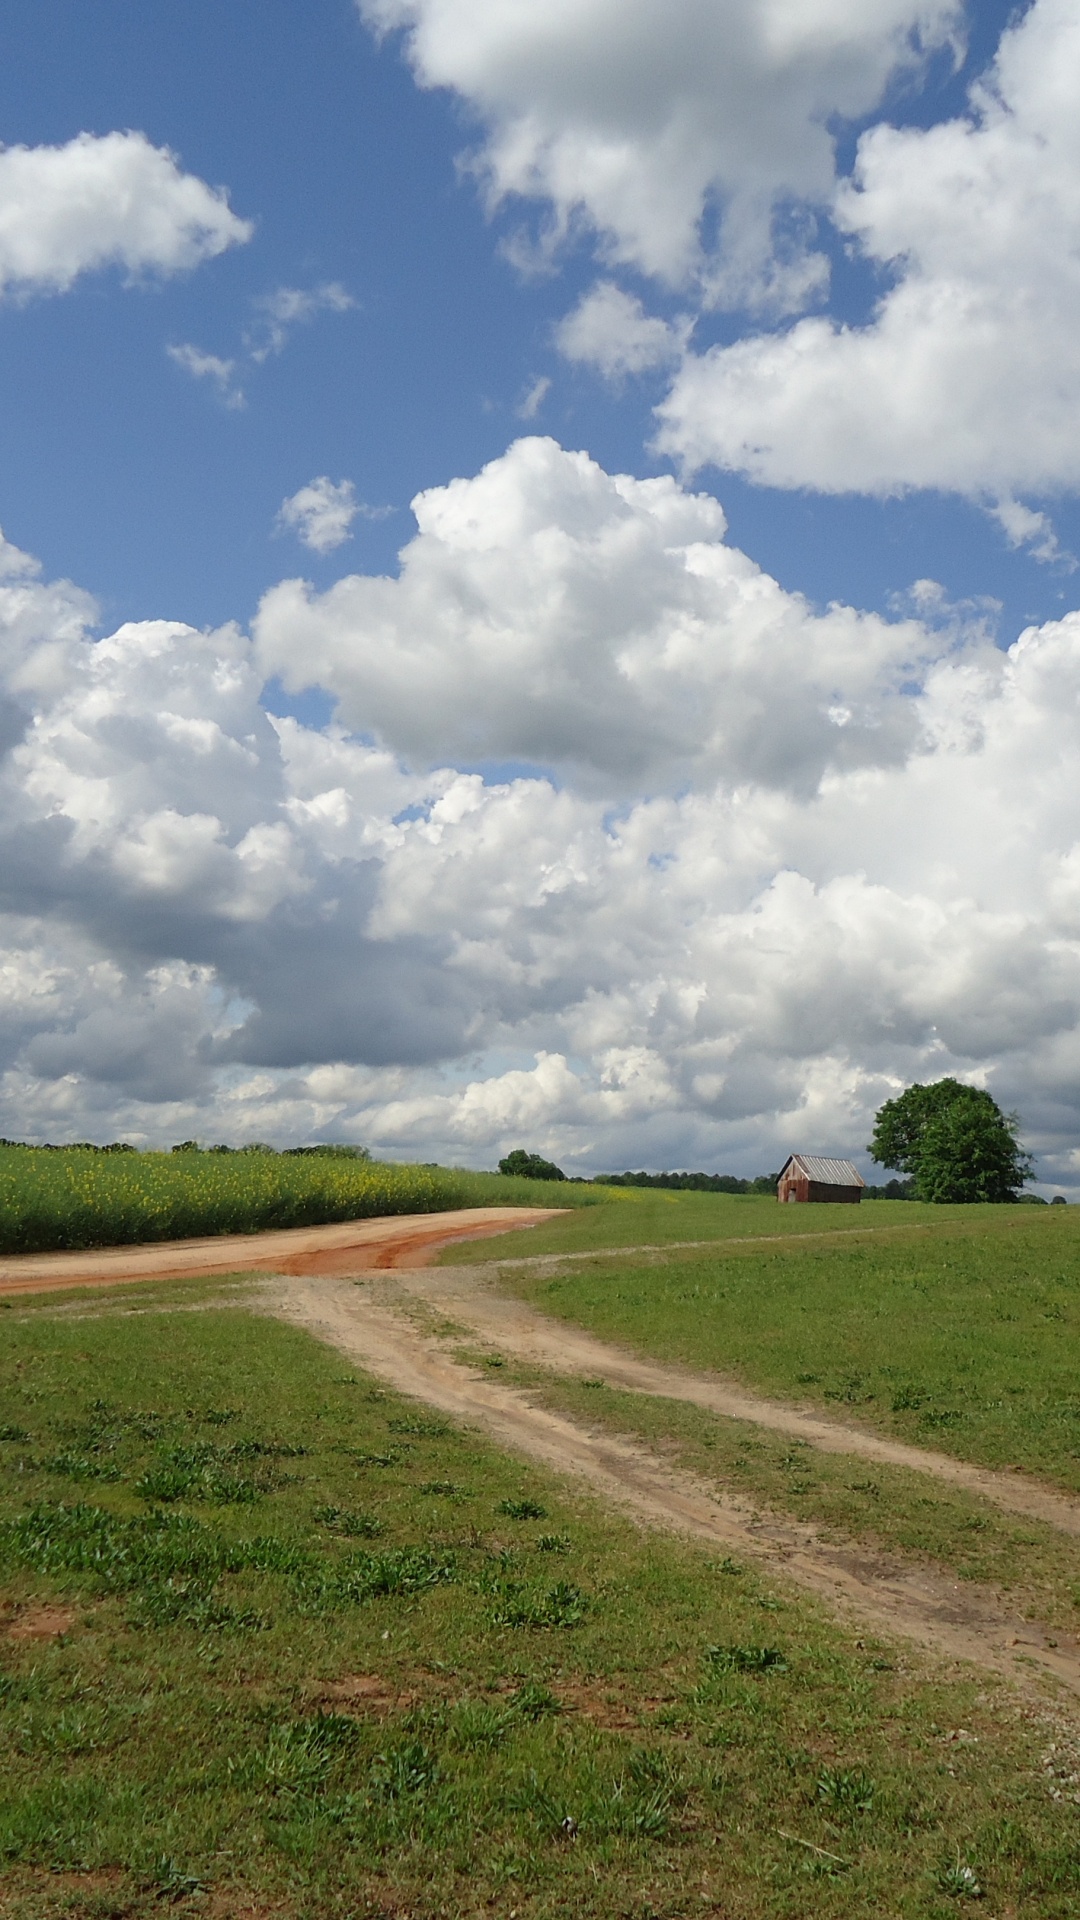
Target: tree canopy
x,y
955,1142
530,1166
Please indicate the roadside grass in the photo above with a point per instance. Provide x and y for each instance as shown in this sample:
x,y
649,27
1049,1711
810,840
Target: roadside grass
x,y
655,1217
888,1509
53,1198
407,1674
966,1339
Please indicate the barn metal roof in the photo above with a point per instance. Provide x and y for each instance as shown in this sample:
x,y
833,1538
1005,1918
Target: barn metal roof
x,y
828,1173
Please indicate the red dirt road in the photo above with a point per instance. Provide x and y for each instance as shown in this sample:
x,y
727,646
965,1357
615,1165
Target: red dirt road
x,y
351,1246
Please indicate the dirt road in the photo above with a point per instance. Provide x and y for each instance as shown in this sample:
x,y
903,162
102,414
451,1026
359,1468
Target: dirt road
x,y
877,1591
353,1246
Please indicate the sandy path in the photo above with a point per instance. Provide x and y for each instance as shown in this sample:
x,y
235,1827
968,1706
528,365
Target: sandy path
x,y
349,1247
467,1295
953,1618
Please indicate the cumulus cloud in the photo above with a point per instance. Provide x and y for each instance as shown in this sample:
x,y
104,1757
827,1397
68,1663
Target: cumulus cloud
x,y
209,366
219,924
967,376
321,513
105,200
553,613
611,331
639,118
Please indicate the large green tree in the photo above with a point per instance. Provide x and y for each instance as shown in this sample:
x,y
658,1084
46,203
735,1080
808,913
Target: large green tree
x,y
954,1140
530,1166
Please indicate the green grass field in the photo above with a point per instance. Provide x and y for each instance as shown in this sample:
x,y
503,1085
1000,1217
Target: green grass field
x,y
951,1327
326,1656
51,1199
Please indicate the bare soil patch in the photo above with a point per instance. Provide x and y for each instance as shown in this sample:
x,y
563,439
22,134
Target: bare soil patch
x,y
351,1246
41,1623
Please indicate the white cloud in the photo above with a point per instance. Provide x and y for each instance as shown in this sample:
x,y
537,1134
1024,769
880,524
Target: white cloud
x,y
209,366
213,924
639,117
610,330
321,513
99,201
968,375
550,612
288,307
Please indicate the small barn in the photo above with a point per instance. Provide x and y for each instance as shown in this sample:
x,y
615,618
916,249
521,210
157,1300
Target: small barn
x,y
809,1176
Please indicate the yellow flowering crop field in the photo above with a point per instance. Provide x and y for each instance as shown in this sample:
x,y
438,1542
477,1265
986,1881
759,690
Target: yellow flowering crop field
x,y
52,1198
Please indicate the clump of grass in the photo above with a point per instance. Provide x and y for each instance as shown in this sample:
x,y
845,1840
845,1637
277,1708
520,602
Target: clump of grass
x,y
522,1509
553,1543
349,1523
747,1659
563,1605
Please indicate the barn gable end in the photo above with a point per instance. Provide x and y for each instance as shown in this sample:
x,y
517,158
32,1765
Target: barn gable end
x,y
812,1176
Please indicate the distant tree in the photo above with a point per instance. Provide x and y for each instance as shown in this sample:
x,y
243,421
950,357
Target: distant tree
x,y
954,1140
530,1166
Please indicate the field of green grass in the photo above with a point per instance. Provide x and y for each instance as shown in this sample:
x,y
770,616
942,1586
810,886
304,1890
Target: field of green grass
x,y
76,1197
323,1655
951,1327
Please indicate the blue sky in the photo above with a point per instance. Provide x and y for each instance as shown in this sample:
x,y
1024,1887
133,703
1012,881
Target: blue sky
x,y
789,261
160,500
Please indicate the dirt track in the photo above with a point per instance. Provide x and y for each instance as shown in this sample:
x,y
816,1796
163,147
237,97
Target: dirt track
x,y
881,1592
402,1326
353,1246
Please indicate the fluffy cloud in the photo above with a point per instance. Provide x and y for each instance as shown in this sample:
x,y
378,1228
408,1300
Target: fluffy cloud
x,y
220,924
553,613
968,374
611,331
321,513
109,200
640,117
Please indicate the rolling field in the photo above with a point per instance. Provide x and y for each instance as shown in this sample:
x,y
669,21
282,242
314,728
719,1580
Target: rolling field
x,y
73,1198
275,1640
952,1327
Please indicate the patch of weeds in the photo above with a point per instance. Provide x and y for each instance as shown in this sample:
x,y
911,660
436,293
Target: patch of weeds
x,y
217,1416
940,1417
170,1882
562,1605
535,1702
265,1450
298,1754
846,1791
479,1726
592,1383
909,1399
404,1771
169,1563
10,1432
345,1521
728,1565
415,1423
959,1880
853,1391
392,1458
203,1472
444,1489
561,1543
869,1487
747,1659
808,1379
523,1509
74,1466
397,1571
